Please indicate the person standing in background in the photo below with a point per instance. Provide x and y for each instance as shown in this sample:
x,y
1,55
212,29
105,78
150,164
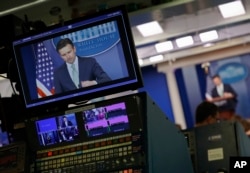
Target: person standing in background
x,y
224,96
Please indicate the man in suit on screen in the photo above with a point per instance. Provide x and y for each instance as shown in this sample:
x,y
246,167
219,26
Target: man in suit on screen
x,y
67,129
76,72
225,97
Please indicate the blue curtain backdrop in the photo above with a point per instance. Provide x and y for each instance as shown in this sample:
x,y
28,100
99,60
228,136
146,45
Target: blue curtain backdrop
x,y
155,85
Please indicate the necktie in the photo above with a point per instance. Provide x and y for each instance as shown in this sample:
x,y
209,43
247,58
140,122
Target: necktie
x,y
75,75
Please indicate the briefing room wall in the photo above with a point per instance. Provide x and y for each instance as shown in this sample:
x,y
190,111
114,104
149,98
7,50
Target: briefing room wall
x,y
155,85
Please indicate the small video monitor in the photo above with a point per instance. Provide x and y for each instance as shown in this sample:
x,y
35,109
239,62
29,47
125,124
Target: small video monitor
x,y
106,120
56,130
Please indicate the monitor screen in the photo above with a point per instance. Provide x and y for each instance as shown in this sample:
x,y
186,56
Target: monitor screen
x,y
4,139
86,58
105,120
56,130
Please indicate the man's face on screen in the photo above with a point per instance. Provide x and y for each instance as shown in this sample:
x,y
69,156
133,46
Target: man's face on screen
x,y
68,53
217,81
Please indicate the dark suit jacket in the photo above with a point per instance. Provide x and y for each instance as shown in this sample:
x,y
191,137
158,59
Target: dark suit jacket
x,y
230,103
69,124
89,69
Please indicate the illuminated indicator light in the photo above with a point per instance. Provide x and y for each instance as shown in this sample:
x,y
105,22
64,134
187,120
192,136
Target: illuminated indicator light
x,y
50,153
128,138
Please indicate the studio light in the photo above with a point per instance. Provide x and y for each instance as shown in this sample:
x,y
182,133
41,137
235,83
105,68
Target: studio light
x,y
232,9
156,58
208,36
149,29
184,41
164,46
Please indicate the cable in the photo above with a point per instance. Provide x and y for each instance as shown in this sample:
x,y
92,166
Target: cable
x,y
10,77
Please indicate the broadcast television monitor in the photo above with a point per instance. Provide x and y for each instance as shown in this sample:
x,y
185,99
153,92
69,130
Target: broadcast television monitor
x,y
105,36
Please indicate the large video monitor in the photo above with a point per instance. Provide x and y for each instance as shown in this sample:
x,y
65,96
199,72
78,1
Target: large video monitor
x,y
100,46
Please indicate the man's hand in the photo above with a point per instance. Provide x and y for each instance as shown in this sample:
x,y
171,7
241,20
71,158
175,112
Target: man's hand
x,y
88,83
228,95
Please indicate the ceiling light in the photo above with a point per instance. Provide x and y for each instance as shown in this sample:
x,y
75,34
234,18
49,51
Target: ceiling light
x,y
149,29
164,46
156,58
184,41
208,36
232,9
